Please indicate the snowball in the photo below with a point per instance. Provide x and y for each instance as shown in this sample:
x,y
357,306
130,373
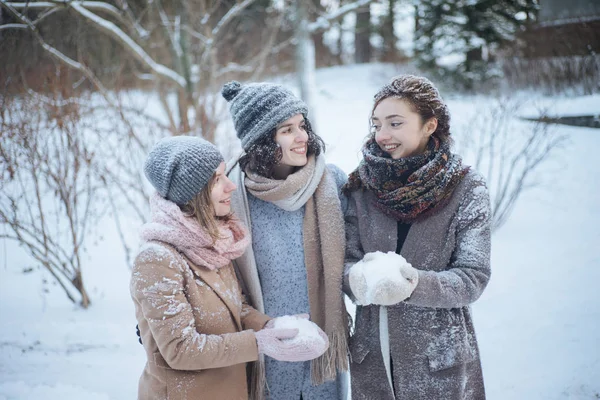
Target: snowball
x,y
308,332
377,268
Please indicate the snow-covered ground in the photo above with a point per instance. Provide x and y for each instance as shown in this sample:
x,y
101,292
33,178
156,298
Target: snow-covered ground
x,y
537,322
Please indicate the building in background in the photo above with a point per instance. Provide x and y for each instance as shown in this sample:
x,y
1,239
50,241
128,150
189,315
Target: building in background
x,y
565,28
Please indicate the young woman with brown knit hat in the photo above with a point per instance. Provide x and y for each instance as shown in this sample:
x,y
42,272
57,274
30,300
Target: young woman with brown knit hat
x,y
197,330
290,199
418,253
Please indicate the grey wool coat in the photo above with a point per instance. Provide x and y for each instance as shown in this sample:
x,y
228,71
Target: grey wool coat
x,y
434,353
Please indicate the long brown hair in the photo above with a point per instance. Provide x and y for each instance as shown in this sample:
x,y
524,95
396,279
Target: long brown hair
x,y
201,208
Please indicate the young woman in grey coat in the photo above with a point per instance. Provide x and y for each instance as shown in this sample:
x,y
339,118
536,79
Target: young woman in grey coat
x,y
291,200
412,198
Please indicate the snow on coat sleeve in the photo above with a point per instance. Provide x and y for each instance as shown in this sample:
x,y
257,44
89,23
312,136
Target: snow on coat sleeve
x,y
158,288
469,270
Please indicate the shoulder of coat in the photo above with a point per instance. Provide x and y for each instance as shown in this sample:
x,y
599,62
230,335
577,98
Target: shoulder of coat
x,y
474,196
474,183
474,178
336,171
340,178
363,201
153,253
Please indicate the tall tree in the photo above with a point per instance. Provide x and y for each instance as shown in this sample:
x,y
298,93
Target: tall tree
x,y
389,52
181,46
305,45
362,36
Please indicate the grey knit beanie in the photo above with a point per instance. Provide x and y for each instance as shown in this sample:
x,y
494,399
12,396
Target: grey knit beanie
x,y
257,108
180,166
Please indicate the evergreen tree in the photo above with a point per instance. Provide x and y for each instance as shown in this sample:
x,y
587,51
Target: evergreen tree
x,y
458,39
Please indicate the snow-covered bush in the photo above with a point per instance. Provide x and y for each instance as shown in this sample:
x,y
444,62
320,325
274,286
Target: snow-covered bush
x,y
506,150
66,164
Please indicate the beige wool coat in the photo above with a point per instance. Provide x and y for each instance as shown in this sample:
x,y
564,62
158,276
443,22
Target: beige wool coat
x,y
434,353
197,331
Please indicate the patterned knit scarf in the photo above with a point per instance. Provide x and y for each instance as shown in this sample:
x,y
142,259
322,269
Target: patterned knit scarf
x,y
324,245
410,188
170,225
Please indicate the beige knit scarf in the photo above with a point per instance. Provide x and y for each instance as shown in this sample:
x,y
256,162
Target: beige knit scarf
x,y
323,223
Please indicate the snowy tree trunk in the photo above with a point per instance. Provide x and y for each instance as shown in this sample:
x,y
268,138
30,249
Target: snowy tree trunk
x,y
390,53
305,60
362,37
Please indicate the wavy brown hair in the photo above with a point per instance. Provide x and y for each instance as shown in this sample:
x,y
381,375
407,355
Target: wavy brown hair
x,y
201,208
264,155
424,99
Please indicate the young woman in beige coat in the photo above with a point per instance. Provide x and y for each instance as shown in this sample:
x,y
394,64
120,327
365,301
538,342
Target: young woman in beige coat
x,y
197,330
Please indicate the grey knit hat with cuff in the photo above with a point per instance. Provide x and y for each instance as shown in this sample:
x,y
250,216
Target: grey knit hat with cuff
x,y
180,166
257,108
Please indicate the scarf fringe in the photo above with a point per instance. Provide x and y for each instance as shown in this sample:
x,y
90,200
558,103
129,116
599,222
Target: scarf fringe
x,y
257,381
323,369
326,367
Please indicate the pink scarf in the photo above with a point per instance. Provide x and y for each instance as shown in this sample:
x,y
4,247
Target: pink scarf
x,y
170,225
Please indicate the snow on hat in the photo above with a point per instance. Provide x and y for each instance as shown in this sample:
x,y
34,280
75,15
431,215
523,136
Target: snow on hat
x,y
180,166
257,108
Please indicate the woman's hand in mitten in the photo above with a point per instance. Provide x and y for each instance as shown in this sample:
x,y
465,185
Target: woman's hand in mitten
x,y
411,274
393,291
271,342
358,283
307,350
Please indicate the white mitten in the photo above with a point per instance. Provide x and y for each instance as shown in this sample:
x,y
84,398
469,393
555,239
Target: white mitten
x,y
397,284
382,279
411,274
310,342
275,343
358,283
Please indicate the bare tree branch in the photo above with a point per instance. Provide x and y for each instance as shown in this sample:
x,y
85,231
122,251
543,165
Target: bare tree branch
x,y
325,22
233,12
129,44
91,5
195,34
55,53
14,26
508,153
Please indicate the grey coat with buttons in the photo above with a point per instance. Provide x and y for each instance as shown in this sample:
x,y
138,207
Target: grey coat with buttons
x,y
434,353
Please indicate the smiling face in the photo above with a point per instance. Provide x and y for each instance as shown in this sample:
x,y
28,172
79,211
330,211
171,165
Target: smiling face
x,y
292,138
220,194
399,131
